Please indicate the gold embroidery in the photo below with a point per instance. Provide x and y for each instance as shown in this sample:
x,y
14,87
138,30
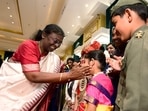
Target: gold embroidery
x,y
94,83
91,100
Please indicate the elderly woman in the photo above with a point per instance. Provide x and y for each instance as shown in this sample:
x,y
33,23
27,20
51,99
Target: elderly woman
x,y
25,75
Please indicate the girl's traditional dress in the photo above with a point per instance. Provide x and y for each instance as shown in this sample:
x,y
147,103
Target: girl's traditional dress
x,y
99,92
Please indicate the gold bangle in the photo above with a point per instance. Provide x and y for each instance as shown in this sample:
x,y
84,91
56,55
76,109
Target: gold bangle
x,y
61,76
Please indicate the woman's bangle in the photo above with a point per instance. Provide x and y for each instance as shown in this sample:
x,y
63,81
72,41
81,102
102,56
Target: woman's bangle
x,y
61,76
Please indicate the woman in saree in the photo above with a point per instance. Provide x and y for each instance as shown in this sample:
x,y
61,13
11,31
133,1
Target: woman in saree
x,y
27,79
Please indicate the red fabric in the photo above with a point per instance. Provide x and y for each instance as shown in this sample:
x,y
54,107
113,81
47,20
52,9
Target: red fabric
x,y
28,54
43,106
81,106
94,46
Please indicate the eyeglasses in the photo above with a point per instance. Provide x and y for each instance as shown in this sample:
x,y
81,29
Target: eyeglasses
x,y
55,40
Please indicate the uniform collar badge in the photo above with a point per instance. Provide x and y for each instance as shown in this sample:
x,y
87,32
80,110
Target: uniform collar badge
x,y
139,34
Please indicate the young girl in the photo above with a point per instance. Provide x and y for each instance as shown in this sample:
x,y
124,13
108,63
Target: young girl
x,y
99,89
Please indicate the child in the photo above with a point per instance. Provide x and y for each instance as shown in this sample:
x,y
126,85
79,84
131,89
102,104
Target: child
x,y
129,19
100,88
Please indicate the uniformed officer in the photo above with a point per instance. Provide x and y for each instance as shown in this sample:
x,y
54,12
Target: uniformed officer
x,y
129,19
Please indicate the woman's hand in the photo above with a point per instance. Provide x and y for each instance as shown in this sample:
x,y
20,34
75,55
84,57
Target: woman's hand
x,y
79,72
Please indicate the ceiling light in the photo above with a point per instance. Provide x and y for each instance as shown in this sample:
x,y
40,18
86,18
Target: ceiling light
x,y
9,49
8,8
12,22
10,15
73,25
68,32
78,16
86,5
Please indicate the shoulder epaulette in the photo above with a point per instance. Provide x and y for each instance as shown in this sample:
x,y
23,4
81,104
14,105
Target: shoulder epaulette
x,y
139,34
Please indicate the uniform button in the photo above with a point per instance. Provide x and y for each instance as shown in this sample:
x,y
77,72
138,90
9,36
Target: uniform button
x,y
118,99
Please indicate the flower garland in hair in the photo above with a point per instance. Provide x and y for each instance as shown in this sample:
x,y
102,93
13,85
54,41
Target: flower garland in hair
x,y
94,46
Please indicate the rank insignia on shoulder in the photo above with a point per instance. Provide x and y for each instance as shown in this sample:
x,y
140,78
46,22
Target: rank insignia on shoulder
x,y
139,34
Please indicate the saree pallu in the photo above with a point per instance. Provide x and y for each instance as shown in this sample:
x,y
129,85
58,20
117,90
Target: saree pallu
x,y
105,103
19,94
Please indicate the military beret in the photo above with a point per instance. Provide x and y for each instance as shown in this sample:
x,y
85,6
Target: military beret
x,y
127,2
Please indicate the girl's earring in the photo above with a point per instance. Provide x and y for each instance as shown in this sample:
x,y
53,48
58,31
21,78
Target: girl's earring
x,y
43,37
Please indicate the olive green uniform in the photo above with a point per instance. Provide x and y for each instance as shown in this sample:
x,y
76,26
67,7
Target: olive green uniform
x,y
133,84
